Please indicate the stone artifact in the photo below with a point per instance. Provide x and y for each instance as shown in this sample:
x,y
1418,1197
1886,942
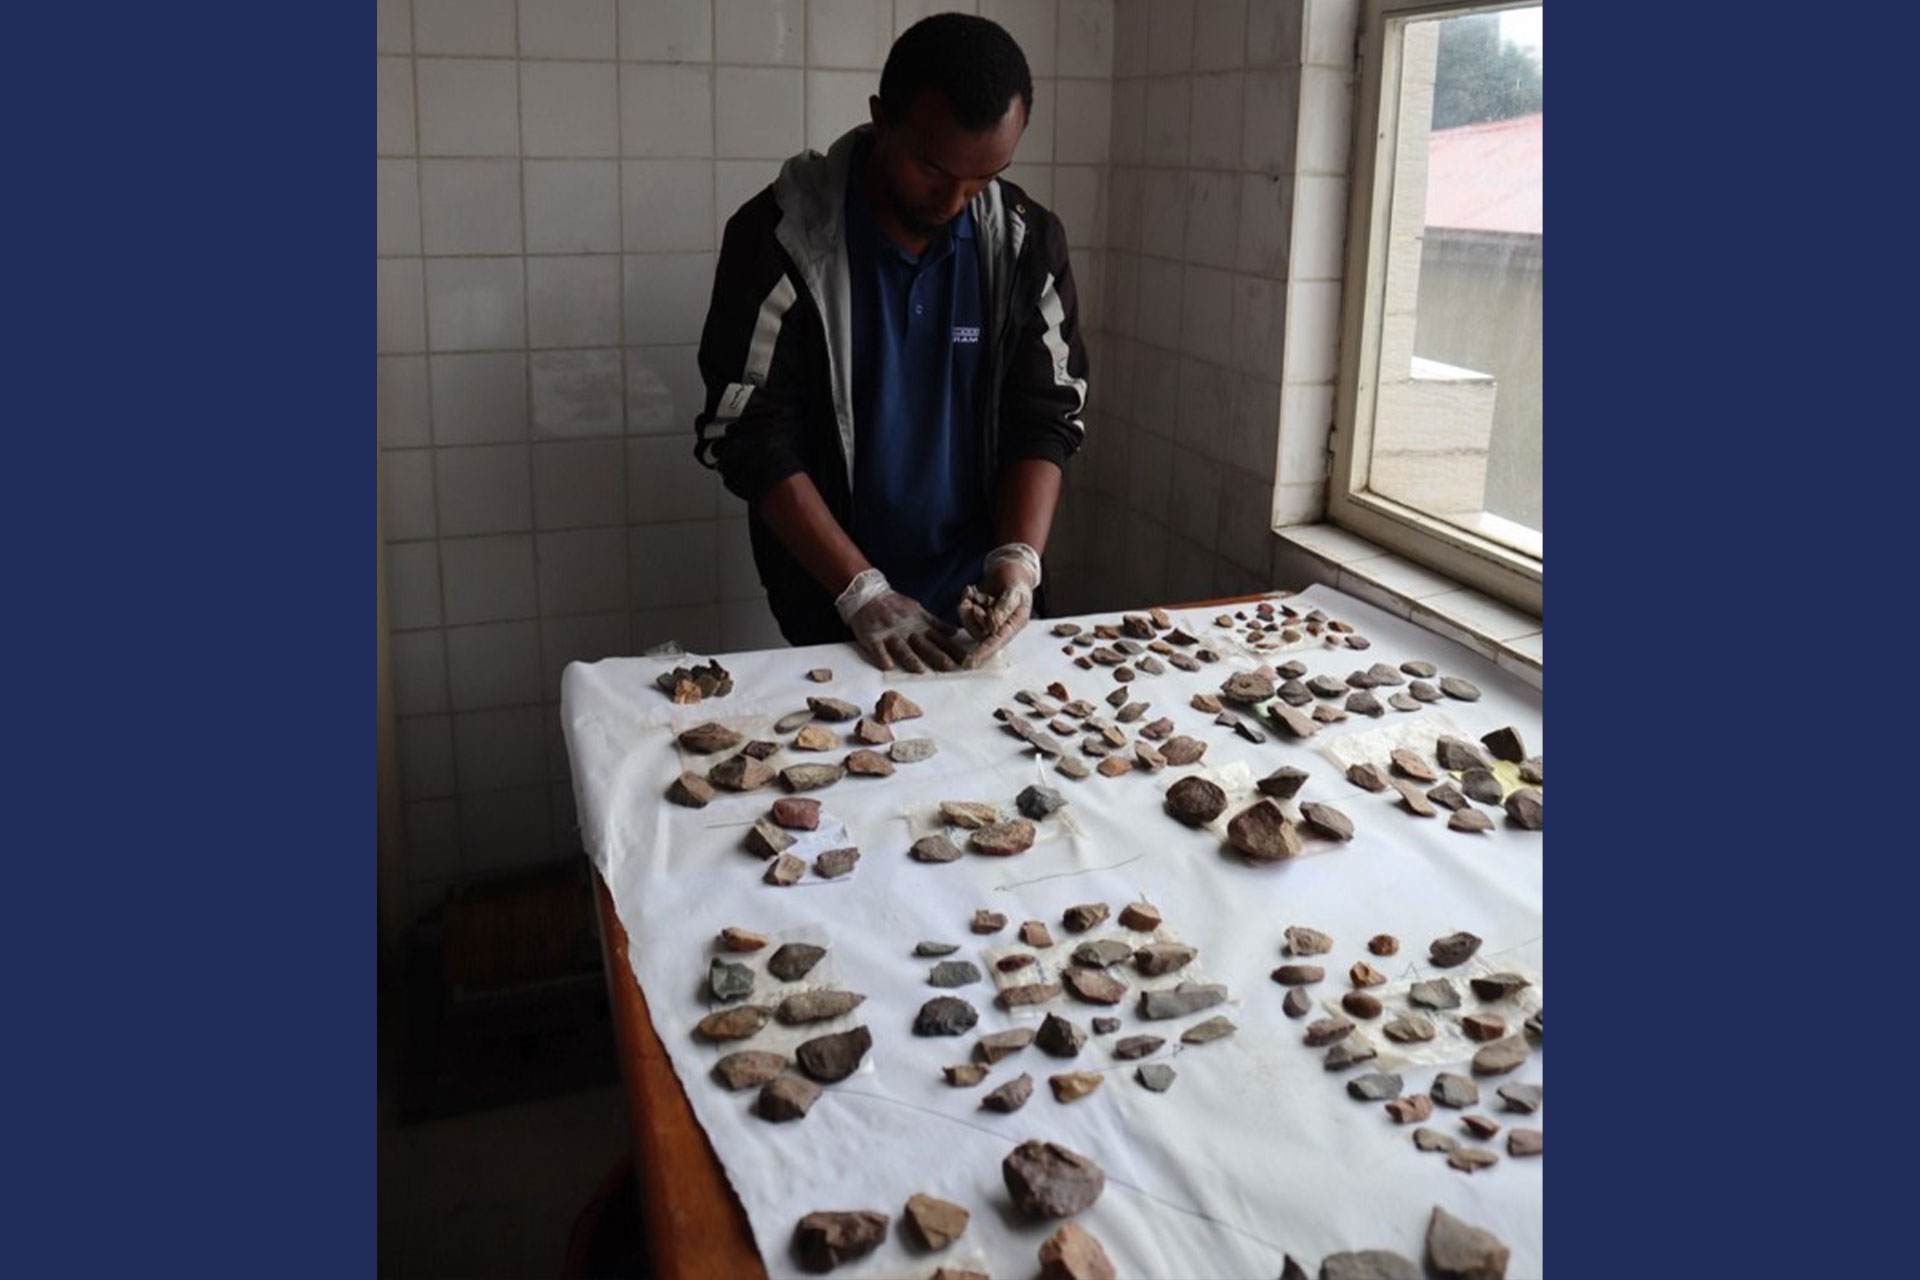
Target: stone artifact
x,y
1472,1159
1297,1002
1497,986
1362,702
1060,1037
1031,993
785,870
1525,1142
1501,1056
1454,949
1327,820
1283,783
1105,1026
895,707
821,675
833,709
1483,1026
872,732
832,1058
1037,802
1296,724
1010,1096
945,1016
1149,756
796,813
1294,693
786,1098
968,814
1079,708
1482,785
1376,1087
1114,766
834,863
691,790
760,749
1416,802
1458,687
729,981
1195,801
868,764
912,750
1413,765
816,737
1458,1250
734,938
822,1241
999,1044
1424,692
1247,687
1361,1004
1157,958
1324,686
1524,1098
792,961
1062,726
1123,674
1095,986
1072,1253
1367,776
811,777
1159,731
1036,934
1469,820
1177,1002
1450,1090
1480,1126
1448,796
740,773
1363,974
748,1067
1347,1053
1206,702
1157,1076
709,737
985,921
1130,712
1322,1032
1536,1027
1458,755
935,948
817,1006
1003,839
732,1024
934,848
1136,1047
1085,916
1071,1086
1263,833
1411,1028
1206,1032
1295,975
1526,808
954,973
1102,952
1018,960
1434,993
765,840
964,1075
1433,1140
1413,1107
1534,771
1504,744
793,720
691,684
1402,701
937,1223
1141,917
1047,1180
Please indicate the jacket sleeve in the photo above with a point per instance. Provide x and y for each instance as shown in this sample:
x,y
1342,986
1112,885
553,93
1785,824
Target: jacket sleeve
x,y
1044,399
752,360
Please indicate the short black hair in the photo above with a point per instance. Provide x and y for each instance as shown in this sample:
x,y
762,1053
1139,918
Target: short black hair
x,y
971,60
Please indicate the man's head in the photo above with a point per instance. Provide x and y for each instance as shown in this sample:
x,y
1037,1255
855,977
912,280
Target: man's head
x,y
954,99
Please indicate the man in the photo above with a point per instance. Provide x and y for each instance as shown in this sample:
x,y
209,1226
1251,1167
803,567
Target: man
x,y
895,375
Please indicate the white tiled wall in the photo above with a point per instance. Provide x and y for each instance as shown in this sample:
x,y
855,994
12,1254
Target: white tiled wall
x,y
552,180
1228,137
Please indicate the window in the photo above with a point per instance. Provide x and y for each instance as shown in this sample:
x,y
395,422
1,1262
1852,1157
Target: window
x,y
1437,450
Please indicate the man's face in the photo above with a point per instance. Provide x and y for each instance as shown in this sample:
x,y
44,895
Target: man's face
x,y
930,167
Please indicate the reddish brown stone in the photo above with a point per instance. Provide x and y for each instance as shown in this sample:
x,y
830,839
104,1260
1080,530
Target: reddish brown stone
x,y
1072,1253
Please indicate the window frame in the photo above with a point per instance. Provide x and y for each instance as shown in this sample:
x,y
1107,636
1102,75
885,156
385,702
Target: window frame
x,y
1466,557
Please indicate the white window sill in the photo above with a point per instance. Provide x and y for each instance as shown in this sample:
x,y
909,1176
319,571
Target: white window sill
x,y
1331,555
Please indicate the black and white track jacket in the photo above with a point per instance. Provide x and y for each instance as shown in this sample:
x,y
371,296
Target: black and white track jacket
x,y
777,357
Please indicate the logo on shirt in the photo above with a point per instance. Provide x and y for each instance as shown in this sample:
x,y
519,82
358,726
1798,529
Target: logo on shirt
x,y
965,333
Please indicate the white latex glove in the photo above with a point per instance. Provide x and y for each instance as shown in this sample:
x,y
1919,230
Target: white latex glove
x,y
893,630
1003,602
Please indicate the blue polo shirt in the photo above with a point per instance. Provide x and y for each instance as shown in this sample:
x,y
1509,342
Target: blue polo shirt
x,y
919,488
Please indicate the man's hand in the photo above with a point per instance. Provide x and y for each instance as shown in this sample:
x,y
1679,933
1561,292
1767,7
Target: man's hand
x,y
996,610
893,630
